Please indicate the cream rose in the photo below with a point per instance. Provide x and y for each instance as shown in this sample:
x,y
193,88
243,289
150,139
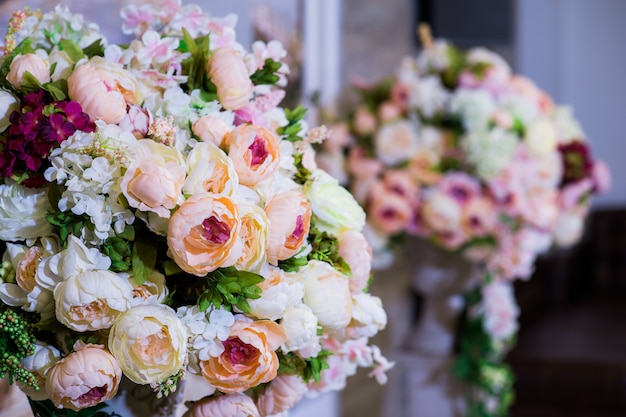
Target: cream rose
x,y
279,293
300,326
210,129
239,405
249,356
32,63
23,212
368,316
255,229
334,206
8,104
84,378
209,169
228,72
289,214
255,152
442,213
97,93
92,300
541,137
282,394
149,342
396,142
154,181
327,293
204,234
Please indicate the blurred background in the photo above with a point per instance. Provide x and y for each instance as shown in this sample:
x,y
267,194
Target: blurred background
x,y
571,356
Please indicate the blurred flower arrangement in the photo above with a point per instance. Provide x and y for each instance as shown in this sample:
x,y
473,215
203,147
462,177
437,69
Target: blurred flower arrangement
x,y
162,215
459,151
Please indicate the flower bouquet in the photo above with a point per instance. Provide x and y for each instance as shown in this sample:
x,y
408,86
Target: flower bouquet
x,y
160,215
459,151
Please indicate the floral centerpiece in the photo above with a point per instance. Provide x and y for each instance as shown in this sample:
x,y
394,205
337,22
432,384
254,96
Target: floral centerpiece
x,y
161,215
459,151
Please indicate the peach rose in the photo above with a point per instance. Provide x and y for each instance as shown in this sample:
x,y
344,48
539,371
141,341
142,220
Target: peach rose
x,y
249,356
255,152
96,92
27,268
289,214
154,180
282,394
204,234
228,72
209,169
396,142
84,378
32,63
357,253
239,405
210,129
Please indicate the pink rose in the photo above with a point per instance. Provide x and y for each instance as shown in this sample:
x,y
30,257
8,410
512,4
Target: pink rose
x,y
249,357
84,378
154,180
389,212
239,405
401,182
97,93
357,253
479,217
364,121
282,394
203,234
289,214
601,176
389,111
361,166
210,129
255,152
500,310
228,72
32,63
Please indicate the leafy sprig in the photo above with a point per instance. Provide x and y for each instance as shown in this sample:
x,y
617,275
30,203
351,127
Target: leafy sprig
x,y
267,74
309,369
326,248
291,131
230,288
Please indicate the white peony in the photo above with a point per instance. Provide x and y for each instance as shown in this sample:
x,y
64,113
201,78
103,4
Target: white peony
x,y
300,326
23,212
368,316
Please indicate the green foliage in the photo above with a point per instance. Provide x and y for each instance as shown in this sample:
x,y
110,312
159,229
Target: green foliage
x,y
144,259
96,48
372,97
230,287
293,264
195,66
291,131
69,224
72,50
326,248
303,174
309,369
267,74
47,409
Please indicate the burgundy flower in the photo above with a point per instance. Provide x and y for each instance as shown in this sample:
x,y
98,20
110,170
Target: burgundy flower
x,y
577,162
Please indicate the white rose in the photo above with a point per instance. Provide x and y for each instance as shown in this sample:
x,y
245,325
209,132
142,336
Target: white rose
x,y
153,291
327,293
275,299
569,228
334,206
23,212
541,137
8,104
92,300
396,142
300,326
442,212
368,316
149,343
39,364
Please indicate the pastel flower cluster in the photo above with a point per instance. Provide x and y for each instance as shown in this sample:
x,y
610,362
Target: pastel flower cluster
x,y
162,214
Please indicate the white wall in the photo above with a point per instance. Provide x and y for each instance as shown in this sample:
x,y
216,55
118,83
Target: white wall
x,y
575,50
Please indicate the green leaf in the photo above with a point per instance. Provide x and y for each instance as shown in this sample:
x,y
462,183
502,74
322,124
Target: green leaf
x,y
30,83
267,74
57,89
292,264
96,48
190,43
72,50
143,259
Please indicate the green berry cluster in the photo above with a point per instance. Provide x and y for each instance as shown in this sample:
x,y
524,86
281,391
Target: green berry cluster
x,y
16,342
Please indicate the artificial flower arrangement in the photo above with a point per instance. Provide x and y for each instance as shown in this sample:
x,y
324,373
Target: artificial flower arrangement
x,y
459,151
161,215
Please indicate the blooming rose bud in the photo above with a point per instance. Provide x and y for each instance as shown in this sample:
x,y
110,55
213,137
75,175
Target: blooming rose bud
x,y
228,72
356,251
96,92
154,180
224,406
282,394
249,357
84,378
255,151
210,129
31,63
8,104
92,300
149,342
204,234
327,293
289,214
334,206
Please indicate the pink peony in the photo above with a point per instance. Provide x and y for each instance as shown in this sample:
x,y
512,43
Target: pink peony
x,y
234,405
357,253
282,394
289,214
255,152
228,72
210,129
31,63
